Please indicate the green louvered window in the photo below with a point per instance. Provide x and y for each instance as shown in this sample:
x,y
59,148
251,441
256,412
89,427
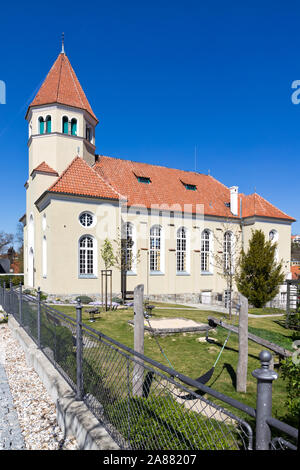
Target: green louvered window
x,y
48,124
65,125
41,125
74,127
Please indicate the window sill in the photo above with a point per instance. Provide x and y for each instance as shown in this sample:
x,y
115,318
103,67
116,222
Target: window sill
x,y
131,273
206,273
87,276
156,273
182,273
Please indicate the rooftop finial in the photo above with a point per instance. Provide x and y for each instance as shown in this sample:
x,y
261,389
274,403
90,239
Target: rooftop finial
x,y
63,43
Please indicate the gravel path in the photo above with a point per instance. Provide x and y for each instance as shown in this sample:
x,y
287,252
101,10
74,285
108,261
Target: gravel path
x,y
31,410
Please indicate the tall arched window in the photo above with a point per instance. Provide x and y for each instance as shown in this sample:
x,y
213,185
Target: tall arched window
x,y
41,125
181,252
205,251
65,125
86,256
44,255
130,247
155,248
228,252
74,126
48,124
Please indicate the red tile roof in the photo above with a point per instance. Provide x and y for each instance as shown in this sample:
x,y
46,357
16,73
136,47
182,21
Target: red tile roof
x,y
254,204
45,168
295,270
167,188
62,86
82,180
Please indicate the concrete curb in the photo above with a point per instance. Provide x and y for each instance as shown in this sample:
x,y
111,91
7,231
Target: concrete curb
x,y
73,416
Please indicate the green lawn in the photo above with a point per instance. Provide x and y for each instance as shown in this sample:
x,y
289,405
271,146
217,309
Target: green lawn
x,y
193,358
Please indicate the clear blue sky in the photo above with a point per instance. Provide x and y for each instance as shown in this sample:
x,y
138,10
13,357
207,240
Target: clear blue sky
x,y
163,77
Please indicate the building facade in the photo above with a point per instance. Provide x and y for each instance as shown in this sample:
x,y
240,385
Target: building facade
x,y
183,230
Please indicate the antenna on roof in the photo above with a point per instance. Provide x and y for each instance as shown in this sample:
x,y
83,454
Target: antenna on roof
x,y
63,43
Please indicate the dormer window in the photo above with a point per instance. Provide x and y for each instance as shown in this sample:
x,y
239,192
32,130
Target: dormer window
x,y
189,186
144,179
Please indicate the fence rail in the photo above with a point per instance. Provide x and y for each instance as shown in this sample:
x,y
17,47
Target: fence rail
x,y
165,410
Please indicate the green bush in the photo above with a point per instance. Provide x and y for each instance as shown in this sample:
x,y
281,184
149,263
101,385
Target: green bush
x,y
84,299
15,280
291,374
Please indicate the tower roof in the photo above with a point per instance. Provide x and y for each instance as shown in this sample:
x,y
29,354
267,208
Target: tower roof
x,y
62,86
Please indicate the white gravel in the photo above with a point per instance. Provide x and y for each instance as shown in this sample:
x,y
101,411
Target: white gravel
x,y
35,409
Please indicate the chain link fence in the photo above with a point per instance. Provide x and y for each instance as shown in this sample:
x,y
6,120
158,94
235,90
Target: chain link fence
x,y
142,404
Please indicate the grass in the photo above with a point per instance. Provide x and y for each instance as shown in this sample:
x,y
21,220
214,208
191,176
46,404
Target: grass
x,y
266,311
194,358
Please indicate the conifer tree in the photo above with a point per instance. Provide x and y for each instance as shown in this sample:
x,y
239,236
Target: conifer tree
x,y
259,276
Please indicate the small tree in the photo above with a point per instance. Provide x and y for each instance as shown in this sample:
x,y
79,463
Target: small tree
x,y
226,256
108,257
107,254
125,257
260,275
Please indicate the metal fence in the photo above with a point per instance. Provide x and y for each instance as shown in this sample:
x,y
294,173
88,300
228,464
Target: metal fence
x,y
160,412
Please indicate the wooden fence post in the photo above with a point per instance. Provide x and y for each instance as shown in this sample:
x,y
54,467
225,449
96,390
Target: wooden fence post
x,y
138,308
241,379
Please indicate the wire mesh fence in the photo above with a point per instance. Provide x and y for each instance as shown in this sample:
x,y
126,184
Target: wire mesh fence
x,y
142,404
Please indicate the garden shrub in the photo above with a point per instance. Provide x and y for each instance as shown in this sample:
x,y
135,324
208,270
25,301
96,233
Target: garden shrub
x,y
291,374
84,299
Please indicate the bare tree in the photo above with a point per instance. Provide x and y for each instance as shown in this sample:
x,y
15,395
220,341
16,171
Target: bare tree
x,y
226,258
6,239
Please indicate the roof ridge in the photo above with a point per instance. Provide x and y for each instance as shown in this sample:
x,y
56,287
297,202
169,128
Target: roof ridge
x,y
154,165
268,202
75,85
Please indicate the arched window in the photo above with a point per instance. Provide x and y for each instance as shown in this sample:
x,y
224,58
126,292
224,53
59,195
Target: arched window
x,y
44,255
130,247
48,124
74,126
41,125
273,236
205,251
155,248
181,252
228,252
86,256
65,125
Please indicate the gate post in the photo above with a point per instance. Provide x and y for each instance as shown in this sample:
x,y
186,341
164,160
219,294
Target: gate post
x,y
20,303
138,308
10,297
265,377
4,297
79,372
39,317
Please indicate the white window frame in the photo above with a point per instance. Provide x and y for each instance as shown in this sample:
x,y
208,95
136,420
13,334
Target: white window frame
x,y
90,214
44,256
87,251
157,251
182,251
206,252
129,227
226,253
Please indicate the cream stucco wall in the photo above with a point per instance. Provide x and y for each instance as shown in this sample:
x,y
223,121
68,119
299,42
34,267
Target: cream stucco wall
x,y
63,232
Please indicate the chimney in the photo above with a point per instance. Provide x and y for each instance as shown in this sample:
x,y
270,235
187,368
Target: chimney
x,y
234,191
